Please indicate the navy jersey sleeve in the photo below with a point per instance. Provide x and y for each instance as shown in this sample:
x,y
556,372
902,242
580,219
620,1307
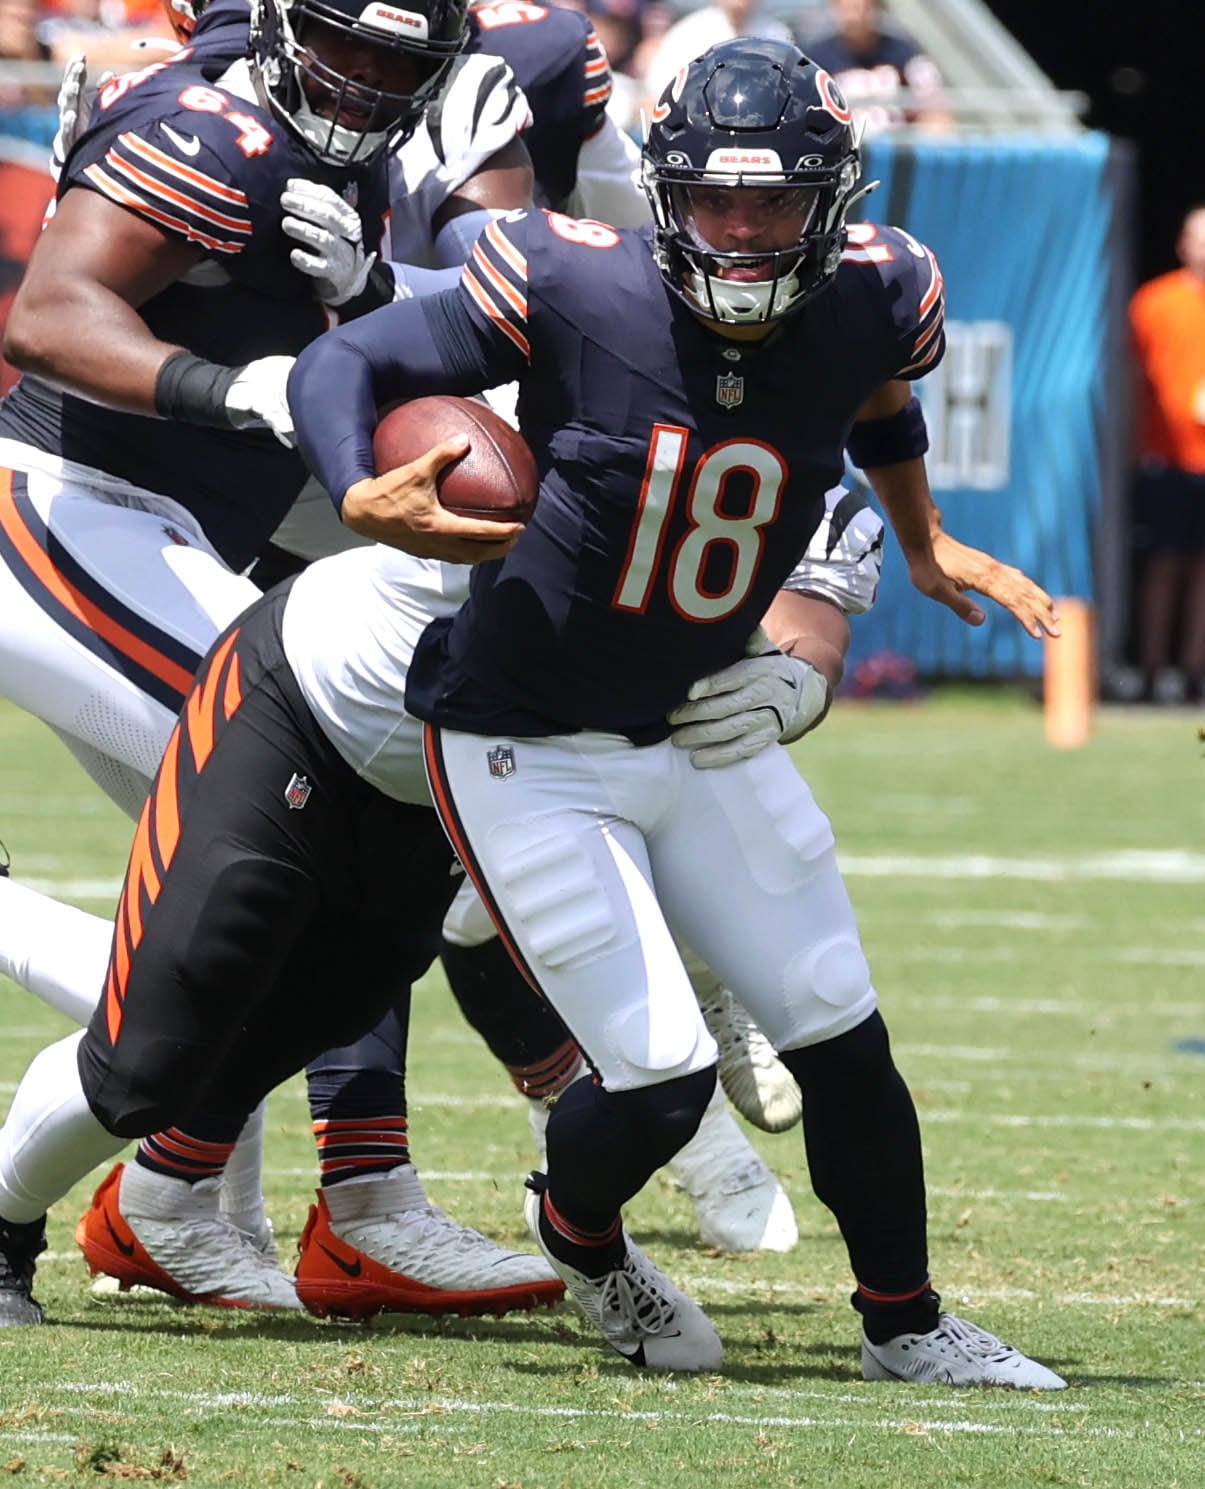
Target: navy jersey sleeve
x,y
444,343
494,285
596,85
169,177
910,277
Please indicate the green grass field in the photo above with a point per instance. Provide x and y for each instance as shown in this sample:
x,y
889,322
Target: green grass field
x,y
1036,922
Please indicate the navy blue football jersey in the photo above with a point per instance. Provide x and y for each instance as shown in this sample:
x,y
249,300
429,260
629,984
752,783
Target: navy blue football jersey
x,y
561,66
682,473
205,166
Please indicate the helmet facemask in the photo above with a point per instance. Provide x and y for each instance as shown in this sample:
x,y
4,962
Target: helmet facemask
x,y
754,118
344,119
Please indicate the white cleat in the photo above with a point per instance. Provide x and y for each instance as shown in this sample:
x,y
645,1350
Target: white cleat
x,y
637,1309
956,1353
739,1204
145,1230
756,1081
380,1246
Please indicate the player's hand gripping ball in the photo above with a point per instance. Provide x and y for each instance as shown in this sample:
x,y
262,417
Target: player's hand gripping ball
x,y
495,481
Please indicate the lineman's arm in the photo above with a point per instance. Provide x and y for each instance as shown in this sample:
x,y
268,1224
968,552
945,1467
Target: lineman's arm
x,y
502,183
75,323
75,320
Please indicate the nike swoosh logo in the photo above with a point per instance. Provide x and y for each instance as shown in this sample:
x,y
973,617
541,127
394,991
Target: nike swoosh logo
x,y
125,1247
353,1269
187,144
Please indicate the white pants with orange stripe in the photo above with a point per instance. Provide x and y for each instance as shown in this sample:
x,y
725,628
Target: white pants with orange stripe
x,y
593,855
109,598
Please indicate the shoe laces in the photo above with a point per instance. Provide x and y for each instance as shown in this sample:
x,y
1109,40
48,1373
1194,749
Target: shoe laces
x,y
631,1295
975,1342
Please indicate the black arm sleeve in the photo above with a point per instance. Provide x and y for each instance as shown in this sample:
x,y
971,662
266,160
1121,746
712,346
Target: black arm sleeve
x,y
406,350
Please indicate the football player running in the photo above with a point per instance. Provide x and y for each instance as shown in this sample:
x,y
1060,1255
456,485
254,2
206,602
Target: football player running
x,y
688,392
580,159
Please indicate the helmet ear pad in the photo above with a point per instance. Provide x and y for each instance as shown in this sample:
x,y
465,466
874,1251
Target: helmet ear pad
x,y
750,112
298,79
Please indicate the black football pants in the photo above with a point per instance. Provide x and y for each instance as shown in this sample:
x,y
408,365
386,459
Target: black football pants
x,y
274,905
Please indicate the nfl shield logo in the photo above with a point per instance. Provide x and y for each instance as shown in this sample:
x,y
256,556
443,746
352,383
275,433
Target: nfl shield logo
x,y
501,760
729,389
297,792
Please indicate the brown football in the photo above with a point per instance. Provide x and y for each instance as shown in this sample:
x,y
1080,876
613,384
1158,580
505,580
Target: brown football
x,y
496,480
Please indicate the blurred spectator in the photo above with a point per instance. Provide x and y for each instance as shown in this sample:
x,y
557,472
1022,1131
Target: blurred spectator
x,y
53,31
103,29
695,32
1167,322
873,61
18,39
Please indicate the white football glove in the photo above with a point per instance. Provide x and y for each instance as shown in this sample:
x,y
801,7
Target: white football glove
x,y
76,100
74,104
257,398
763,700
333,253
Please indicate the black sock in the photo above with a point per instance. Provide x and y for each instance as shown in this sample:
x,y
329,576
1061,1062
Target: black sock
x,y
603,1146
594,1253
887,1318
521,1029
864,1155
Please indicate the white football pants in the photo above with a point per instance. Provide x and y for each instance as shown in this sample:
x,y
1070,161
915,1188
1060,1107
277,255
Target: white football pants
x,y
593,855
109,598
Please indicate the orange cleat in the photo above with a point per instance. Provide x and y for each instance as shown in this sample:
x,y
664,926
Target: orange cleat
x,y
388,1250
147,1230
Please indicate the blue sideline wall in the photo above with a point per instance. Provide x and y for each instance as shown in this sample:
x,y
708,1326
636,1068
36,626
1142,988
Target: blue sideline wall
x,y
1028,412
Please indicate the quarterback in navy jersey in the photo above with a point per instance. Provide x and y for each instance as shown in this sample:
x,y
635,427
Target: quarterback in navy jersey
x,y
688,394
630,403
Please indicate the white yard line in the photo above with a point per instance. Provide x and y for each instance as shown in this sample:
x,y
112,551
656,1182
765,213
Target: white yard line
x,y
1135,866
1067,1119
445,1406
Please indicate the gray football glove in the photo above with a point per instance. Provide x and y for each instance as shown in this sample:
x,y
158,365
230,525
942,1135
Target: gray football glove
x,y
759,701
332,251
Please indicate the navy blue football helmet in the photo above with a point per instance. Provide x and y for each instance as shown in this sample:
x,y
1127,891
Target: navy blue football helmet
x,y
295,47
751,113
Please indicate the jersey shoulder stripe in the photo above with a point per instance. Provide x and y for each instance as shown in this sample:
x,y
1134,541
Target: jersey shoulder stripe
x,y
929,340
495,279
909,273
142,178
